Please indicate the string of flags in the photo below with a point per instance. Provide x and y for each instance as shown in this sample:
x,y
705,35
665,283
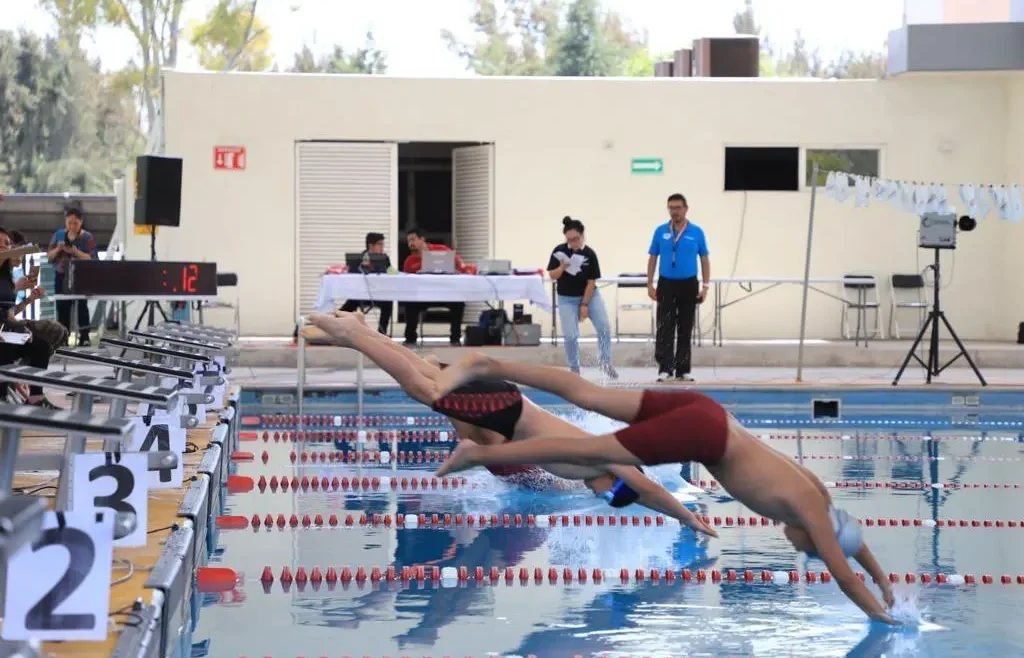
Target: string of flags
x,y
920,198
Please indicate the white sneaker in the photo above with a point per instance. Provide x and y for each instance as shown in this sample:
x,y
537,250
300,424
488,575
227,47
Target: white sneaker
x,y
664,376
684,378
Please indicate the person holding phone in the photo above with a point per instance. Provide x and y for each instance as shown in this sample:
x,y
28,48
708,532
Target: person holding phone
x,y
68,244
574,268
17,343
53,333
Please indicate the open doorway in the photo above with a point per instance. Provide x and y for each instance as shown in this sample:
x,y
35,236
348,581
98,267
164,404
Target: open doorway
x,y
426,200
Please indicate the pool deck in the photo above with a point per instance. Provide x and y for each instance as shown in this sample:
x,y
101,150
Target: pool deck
x,y
636,353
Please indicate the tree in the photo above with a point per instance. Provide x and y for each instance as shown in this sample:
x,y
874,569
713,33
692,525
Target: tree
x,y
155,26
65,127
528,37
582,49
799,61
232,38
367,59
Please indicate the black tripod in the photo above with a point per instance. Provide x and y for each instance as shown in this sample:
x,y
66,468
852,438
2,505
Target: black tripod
x,y
932,367
151,307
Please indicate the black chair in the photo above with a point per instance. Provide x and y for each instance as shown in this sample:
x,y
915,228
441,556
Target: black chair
x,y
861,294
906,292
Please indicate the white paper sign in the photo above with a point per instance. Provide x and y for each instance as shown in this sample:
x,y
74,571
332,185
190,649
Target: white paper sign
x,y
115,481
158,434
59,587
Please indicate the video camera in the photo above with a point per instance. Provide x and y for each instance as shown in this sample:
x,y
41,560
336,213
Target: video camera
x,y
938,230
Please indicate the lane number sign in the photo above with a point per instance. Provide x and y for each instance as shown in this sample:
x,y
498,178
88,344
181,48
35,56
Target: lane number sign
x,y
114,481
58,588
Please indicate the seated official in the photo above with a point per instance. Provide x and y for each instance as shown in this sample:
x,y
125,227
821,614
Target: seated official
x,y
380,264
418,246
34,352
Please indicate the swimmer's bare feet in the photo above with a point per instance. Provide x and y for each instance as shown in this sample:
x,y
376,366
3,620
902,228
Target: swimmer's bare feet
x,y
337,328
460,459
358,316
472,367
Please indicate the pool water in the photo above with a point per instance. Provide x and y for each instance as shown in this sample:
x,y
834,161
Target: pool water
x,y
910,479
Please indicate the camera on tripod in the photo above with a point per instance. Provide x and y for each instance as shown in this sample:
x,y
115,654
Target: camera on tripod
x,y
938,230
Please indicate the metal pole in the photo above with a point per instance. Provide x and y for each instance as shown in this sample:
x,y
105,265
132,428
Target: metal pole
x,y
300,385
807,275
360,385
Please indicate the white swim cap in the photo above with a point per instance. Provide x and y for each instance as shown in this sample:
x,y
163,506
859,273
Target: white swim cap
x,y
848,531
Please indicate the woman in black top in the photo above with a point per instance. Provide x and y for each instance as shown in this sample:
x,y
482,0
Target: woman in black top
x,y
35,353
575,269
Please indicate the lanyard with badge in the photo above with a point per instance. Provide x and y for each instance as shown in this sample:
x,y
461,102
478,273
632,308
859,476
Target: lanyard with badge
x,y
676,237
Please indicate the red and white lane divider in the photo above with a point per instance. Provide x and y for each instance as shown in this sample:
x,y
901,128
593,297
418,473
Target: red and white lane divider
x,y
306,483
343,420
892,484
772,436
221,578
437,456
331,435
555,520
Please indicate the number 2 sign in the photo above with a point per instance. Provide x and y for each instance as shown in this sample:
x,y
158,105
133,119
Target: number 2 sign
x,y
115,481
59,587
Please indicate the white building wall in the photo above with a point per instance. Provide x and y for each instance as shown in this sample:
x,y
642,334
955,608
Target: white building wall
x,y
563,146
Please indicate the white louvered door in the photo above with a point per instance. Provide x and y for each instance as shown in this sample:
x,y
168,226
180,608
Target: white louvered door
x,y
473,209
343,190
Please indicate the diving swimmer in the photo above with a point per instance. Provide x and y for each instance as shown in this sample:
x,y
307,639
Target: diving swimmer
x,y
491,411
668,427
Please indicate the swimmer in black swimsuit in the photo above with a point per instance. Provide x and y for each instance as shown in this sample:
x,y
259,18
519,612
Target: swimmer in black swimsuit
x,y
492,412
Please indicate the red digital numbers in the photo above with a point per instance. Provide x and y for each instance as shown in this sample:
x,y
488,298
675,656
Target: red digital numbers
x,y
189,277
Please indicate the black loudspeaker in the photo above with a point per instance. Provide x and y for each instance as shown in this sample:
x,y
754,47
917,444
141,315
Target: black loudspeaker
x,y
157,191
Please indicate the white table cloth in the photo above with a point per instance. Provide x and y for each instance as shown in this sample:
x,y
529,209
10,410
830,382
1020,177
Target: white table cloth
x,y
430,288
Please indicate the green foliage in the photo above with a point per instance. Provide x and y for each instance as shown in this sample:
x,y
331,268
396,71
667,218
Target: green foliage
x,y
66,127
232,38
799,61
852,161
530,38
366,59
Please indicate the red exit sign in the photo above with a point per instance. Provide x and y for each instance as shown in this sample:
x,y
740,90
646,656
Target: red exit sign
x,y
229,158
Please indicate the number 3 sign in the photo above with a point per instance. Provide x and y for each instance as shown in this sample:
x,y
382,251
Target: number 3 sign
x,y
59,587
116,481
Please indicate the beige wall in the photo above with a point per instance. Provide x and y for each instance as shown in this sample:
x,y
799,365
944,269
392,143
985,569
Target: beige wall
x,y
564,147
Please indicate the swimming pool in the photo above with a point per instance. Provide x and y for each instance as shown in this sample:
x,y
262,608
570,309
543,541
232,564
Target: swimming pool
x,y
561,575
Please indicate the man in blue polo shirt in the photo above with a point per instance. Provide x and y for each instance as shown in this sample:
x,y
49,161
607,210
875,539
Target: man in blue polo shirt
x,y
677,244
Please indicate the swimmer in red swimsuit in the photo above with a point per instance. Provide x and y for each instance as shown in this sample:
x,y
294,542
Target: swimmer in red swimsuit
x,y
668,427
494,412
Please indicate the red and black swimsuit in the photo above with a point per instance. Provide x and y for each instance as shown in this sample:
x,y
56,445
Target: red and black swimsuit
x,y
491,404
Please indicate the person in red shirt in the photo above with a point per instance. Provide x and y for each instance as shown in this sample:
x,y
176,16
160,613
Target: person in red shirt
x,y
418,245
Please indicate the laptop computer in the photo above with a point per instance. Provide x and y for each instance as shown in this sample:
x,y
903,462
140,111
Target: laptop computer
x,y
377,263
438,262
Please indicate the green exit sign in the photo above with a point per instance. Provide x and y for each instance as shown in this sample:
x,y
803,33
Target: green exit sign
x,y
647,165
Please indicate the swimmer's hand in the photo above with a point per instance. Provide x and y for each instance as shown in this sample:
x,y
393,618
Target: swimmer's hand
x,y
694,522
887,595
460,459
885,619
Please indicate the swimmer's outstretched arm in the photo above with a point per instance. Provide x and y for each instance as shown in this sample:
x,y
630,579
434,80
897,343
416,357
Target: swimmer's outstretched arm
x,y
583,451
655,497
816,522
867,560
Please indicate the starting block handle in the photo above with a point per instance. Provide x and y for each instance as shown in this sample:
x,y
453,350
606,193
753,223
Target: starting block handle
x,y
216,340
227,334
179,341
137,366
155,350
24,417
86,385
